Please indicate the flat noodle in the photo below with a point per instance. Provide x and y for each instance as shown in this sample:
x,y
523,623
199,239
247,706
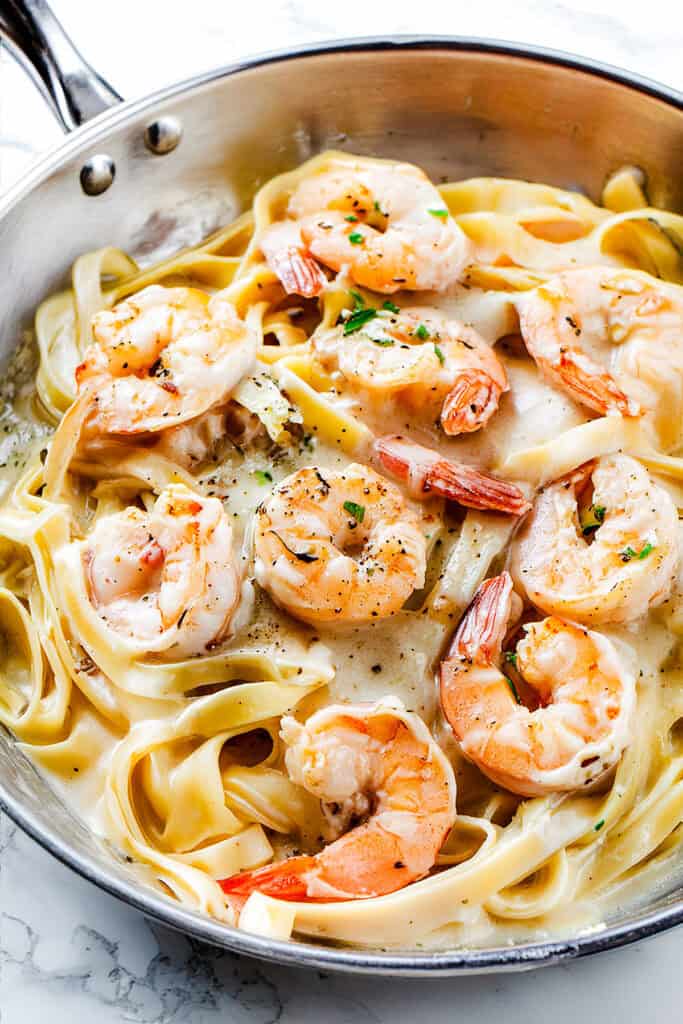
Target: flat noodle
x,y
179,762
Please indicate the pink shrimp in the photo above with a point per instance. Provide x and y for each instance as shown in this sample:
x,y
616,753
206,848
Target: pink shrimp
x,y
427,473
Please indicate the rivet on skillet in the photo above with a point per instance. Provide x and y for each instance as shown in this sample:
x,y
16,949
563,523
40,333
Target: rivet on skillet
x,y
97,174
163,135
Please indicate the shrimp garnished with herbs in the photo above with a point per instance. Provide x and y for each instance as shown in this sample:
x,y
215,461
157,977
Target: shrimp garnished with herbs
x,y
384,222
165,580
435,367
339,546
612,339
376,762
609,562
161,358
583,692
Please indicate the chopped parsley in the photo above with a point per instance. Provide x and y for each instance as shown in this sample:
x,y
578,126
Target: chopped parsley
x,y
421,332
358,300
628,553
513,689
357,511
378,209
511,656
263,476
384,342
439,355
359,319
438,213
390,306
355,238
599,825
593,519
351,217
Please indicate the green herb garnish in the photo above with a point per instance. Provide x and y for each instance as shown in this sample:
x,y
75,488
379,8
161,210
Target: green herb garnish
x,y
263,476
628,553
384,342
439,355
390,306
594,518
421,332
358,300
511,656
513,689
438,213
359,319
357,511
355,238
351,217
599,825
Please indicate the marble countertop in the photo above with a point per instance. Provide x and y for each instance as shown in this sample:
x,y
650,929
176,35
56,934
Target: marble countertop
x,y
74,953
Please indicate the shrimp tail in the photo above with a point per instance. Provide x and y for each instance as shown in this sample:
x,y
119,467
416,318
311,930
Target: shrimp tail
x,y
482,627
591,385
298,272
471,402
285,880
427,473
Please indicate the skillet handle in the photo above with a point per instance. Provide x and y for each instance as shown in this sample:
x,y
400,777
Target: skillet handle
x,y
71,87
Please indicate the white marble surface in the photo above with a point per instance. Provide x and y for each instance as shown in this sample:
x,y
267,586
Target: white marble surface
x,y
72,953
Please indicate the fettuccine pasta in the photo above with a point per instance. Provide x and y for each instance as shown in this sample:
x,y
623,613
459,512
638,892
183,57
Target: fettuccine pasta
x,y
249,492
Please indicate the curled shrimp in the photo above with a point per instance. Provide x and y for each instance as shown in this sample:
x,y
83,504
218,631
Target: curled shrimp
x,y
432,365
426,473
160,358
612,339
339,546
609,564
166,580
372,761
385,222
585,694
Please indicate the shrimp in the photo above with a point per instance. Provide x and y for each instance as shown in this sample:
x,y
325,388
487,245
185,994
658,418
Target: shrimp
x,y
372,761
612,339
426,473
339,546
166,580
385,222
160,358
586,698
435,366
615,561
288,258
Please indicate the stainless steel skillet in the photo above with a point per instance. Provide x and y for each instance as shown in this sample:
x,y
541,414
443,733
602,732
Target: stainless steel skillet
x,y
166,170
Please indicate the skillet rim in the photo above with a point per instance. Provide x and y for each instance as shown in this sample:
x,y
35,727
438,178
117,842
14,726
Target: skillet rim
x,y
454,962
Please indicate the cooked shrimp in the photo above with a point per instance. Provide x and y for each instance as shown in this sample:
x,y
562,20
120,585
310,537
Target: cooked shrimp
x,y
385,222
426,473
614,562
372,761
161,358
612,339
339,546
435,366
585,692
166,580
288,258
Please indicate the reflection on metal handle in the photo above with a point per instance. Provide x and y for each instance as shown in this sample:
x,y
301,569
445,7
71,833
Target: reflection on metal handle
x,y
73,89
